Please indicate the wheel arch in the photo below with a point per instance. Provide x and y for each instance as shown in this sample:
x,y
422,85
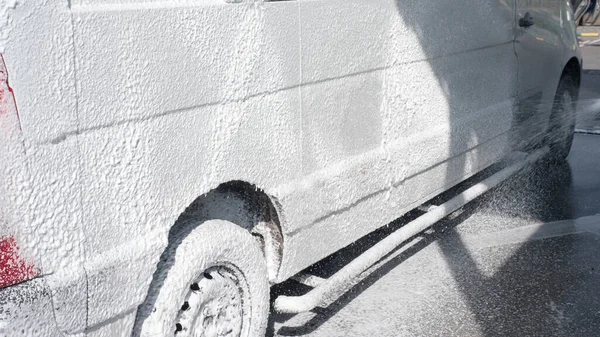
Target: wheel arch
x,y
243,204
572,69
559,122
237,202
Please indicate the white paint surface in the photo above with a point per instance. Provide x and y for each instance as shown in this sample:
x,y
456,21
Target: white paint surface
x,y
347,113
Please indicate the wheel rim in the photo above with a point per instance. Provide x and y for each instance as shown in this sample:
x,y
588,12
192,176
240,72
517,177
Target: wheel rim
x,y
214,305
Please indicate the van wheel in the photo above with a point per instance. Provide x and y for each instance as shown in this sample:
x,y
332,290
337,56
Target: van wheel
x,y
562,120
216,285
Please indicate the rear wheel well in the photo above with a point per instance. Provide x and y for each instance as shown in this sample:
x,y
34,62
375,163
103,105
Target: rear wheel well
x,y
237,202
573,70
240,203
561,123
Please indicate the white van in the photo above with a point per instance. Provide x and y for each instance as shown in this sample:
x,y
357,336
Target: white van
x,y
165,161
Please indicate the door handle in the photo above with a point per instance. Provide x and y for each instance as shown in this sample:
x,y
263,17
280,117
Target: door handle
x,y
526,21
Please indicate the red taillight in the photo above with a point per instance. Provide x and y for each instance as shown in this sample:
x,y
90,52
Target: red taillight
x,y
13,268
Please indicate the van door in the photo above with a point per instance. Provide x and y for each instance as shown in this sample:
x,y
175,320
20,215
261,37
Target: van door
x,y
537,47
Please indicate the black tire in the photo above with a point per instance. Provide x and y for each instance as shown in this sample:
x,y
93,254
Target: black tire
x,y
561,126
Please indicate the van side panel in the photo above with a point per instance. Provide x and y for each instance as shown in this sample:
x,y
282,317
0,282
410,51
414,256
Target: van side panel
x,y
261,92
435,97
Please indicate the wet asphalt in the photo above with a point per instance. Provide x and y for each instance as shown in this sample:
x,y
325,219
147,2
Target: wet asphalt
x,y
523,260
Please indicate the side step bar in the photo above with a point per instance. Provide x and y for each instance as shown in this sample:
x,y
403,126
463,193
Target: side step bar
x,y
327,290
